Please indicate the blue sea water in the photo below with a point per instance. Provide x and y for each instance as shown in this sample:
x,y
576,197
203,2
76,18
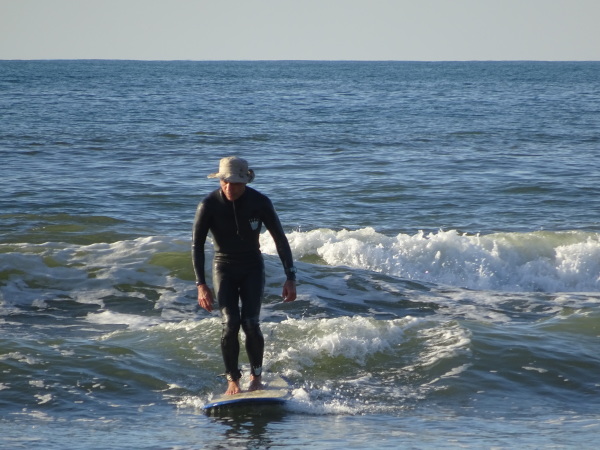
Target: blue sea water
x,y
444,218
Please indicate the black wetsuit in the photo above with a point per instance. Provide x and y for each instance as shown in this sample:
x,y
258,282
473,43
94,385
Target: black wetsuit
x,y
238,269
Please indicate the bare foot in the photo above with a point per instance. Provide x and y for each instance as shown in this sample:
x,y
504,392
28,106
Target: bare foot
x,y
233,387
255,383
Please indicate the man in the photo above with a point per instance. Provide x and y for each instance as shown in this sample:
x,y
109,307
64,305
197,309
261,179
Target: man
x,y
234,215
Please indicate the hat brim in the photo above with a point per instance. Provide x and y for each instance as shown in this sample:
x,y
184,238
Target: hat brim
x,y
231,177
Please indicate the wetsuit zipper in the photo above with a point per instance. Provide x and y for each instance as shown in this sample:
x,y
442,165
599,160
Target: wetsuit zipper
x,y
237,225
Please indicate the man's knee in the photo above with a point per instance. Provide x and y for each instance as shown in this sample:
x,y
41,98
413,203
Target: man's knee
x,y
251,326
231,323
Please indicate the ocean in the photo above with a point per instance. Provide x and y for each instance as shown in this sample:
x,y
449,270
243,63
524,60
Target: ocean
x,y
444,219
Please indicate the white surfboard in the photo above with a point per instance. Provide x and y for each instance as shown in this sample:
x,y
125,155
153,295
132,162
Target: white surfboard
x,y
275,391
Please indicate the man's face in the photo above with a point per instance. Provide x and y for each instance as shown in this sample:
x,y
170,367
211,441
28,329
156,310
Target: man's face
x,y
232,191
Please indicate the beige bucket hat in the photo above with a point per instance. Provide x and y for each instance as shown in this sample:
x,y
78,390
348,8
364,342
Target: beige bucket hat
x,y
234,170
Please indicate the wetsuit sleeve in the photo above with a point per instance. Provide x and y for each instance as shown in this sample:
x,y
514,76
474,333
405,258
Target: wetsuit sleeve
x,y
273,224
200,231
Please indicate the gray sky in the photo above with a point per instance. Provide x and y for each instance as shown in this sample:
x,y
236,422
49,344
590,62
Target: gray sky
x,y
416,30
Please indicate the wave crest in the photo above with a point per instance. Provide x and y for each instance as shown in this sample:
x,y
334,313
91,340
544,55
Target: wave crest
x,y
543,261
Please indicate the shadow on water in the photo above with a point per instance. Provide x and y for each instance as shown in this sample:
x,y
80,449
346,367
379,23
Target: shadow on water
x,y
248,426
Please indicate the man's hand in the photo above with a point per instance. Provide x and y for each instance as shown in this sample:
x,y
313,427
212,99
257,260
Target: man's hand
x,y
289,291
205,297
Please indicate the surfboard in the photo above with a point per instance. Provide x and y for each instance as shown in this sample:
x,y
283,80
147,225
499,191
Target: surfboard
x,y
275,391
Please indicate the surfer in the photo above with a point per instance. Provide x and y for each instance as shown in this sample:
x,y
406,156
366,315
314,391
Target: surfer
x,y
234,215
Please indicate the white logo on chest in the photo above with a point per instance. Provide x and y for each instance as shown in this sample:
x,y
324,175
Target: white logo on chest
x,y
254,223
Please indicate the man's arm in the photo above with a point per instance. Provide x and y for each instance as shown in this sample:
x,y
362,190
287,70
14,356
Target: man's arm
x,y
273,224
200,231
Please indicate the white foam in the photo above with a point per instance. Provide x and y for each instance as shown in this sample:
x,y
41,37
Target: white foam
x,y
301,402
525,262
355,338
43,398
17,356
134,322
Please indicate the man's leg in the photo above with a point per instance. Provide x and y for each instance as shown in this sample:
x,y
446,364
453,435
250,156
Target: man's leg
x,y
227,294
251,293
